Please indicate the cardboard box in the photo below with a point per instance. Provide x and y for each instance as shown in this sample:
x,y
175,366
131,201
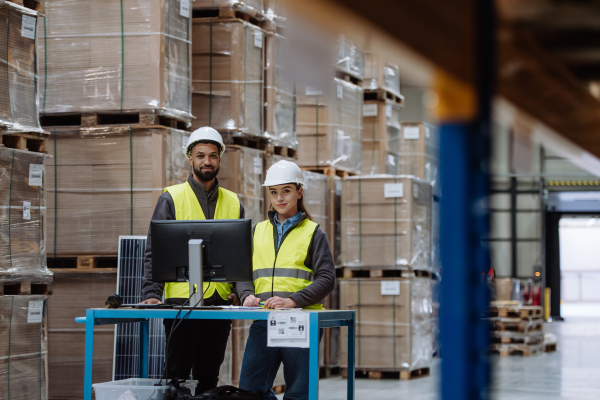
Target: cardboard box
x,y
382,231
350,58
227,77
106,186
22,217
23,347
419,145
393,331
330,126
18,88
115,55
280,97
380,74
381,138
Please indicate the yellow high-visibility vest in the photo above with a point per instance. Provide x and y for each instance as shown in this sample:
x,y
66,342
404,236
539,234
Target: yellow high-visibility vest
x,y
187,207
282,273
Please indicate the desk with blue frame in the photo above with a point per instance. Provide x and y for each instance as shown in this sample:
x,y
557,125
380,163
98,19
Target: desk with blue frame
x,y
317,320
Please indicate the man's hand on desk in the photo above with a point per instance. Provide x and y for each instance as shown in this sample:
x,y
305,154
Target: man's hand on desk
x,y
251,301
151,301
278,302
235,301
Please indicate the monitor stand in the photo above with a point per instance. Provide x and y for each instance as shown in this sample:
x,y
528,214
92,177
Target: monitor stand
x,y
195,271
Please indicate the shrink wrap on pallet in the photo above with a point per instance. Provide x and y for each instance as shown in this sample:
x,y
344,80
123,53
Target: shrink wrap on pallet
x,y
115,55
241,172
419,146
381,138
280,102
227,76
23,217
350,58
101,184
255,6
18,69
380,74
23,348
73,293
330,126
386,222
393,322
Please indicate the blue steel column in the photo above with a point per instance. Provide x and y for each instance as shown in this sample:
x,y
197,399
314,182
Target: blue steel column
x,y
313,357
89,355
465,184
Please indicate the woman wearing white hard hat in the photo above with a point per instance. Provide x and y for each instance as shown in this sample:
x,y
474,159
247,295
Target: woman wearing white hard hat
x,y
293,268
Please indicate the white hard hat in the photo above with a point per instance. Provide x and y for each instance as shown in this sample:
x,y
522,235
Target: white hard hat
x,y
284,172
204,133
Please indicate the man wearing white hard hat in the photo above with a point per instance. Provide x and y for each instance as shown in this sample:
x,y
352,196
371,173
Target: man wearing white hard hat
x,y
196,345
293,267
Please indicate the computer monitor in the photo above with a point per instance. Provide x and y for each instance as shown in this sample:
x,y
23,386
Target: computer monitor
x,y
207,250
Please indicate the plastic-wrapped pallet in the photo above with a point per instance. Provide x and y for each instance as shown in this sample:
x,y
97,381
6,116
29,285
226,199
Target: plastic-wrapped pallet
x,y
330,126
419,144
381,138
435,314
73,293
115,55
18,69
280,101
350,58
227,76
380,74
22,217
23,348
386,222
316,198
241,172
393,322
106,186
248,5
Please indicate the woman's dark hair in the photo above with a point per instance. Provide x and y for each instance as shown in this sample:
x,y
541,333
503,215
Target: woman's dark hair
x,y
301,206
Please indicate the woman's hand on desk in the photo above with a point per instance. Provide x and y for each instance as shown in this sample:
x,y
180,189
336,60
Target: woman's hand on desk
x,y
251,301
278,302
235,301
151,301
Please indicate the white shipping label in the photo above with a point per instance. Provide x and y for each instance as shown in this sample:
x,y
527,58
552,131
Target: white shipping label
x,y
391,190
427,133
340,91
415,190
35,312
28,27
27,210
184,9
288,329
388,110
370,110
311,91
411,132
258,39
36,172
390,288
258,165
184,141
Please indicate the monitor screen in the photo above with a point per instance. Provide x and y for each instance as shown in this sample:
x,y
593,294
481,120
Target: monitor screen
x,y
227,249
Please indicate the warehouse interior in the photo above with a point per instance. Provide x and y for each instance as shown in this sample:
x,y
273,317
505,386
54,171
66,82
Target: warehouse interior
x,y
450,153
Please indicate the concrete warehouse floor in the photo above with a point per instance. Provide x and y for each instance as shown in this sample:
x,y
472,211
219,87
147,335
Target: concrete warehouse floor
x,y
569,373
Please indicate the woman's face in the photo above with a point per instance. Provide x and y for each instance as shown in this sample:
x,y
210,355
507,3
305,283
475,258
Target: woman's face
x,y
284,199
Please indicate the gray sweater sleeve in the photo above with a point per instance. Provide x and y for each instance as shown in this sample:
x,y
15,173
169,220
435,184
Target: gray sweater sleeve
x,y
165,210
320,260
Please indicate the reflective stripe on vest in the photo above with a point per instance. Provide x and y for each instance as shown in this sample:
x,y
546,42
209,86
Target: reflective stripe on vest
x,y
187,207
285,273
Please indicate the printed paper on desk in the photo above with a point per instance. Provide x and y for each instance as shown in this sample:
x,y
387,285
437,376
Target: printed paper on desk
x,y
288,329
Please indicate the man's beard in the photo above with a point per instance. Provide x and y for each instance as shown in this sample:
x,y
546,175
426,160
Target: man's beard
x,y
206,176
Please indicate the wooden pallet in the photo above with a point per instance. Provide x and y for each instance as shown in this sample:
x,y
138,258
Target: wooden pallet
x,y
235,12
82,262
512,349
400,272
345,76
237,138
326,372
285,151
523,312
530,338
329,171
31,4
383,95
549,347
25,288
132,118
372,373
27,141
279,389
517,325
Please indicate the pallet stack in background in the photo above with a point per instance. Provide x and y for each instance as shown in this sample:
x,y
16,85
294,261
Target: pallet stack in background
x,y
516,329
25,281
